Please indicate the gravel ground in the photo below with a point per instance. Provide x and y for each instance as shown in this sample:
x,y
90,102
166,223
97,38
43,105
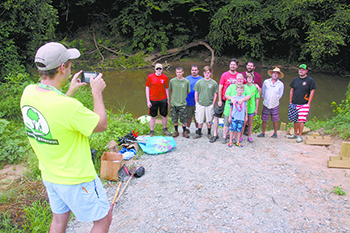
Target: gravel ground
x,y
271,185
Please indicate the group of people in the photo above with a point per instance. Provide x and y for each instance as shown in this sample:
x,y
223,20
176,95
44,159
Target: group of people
x,y
236,97
58,126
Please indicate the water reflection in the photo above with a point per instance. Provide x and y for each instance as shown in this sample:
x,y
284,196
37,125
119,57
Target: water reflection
x,y
127,89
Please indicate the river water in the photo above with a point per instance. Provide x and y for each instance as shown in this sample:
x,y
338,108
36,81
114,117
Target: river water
x,y
126,89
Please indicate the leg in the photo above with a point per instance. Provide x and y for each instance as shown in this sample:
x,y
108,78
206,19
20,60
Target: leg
x,y
275,119
300,127
164,121
195,123
238,135
189,121
59,222
264,124
275,127
209,125
216,126
225,132
152,123
231,136
250,125
103,224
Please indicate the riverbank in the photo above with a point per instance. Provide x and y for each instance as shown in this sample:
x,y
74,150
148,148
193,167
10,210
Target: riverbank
x,y
269,185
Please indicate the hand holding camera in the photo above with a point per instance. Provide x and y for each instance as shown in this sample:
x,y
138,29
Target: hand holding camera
x,y
86,76
97,84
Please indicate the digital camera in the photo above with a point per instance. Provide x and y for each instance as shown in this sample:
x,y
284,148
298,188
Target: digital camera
x,y
87,75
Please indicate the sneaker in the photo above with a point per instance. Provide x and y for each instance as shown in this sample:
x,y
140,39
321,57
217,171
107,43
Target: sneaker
x,y
262,135
230,144
209,136
299,139
166,132
250,139
292,137
197,136
214,138
239,144
225,140
151,133
241,139
176,134
188,131
274,135
185,134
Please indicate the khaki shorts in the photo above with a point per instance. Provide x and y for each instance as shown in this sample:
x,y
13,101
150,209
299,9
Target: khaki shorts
x,y
204,112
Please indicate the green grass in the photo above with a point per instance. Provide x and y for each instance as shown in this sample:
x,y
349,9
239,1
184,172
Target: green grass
x,y
338,190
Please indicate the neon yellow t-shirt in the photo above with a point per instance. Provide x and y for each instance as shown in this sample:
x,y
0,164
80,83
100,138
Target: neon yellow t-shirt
x,y
58,128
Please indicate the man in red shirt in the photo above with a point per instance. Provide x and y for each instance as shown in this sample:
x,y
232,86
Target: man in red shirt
x,y
157,95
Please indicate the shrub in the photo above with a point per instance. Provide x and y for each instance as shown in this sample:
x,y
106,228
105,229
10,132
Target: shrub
x,y
339,123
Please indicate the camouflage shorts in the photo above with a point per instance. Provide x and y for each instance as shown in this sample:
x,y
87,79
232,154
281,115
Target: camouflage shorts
x,y
179,112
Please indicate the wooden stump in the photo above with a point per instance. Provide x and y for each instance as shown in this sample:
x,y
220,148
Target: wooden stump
x,y
316,139
343,160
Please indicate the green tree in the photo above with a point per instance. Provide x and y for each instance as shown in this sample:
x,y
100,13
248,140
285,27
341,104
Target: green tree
x,y
163,24
299,30
25,25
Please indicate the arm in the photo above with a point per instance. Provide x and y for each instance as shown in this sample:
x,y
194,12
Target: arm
x,y
227,95
263,90
256,106
244,99
291,95
196,96
220,95
312,93
75,85
149,104
215,98
281,91
247,96
167,95
97,86
246,113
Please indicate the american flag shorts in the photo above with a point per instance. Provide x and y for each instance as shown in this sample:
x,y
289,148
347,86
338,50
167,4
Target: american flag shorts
x,y
298,113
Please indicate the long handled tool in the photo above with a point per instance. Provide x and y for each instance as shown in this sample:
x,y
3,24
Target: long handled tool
x,y
124,174
138,173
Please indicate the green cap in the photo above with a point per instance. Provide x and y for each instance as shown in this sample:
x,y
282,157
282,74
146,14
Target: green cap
x,y
303,66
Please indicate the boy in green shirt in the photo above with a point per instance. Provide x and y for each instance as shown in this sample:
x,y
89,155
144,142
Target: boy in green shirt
x,y
206,93
179,87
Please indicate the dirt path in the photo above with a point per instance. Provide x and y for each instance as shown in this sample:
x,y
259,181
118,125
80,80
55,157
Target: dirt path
x,y
271,185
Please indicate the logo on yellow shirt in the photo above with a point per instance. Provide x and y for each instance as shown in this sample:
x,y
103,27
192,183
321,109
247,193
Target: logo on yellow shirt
x,y
37,126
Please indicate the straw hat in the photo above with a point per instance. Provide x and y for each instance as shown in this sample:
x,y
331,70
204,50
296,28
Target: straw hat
x,y
275,70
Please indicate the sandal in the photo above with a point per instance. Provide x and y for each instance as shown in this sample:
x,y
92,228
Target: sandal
x,y
239,144
250,139
230,144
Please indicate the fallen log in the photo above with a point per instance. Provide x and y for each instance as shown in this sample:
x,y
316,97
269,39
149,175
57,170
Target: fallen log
x,y
154,58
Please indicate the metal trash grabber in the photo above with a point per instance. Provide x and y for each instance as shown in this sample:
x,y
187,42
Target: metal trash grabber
x,y
138,173
123,174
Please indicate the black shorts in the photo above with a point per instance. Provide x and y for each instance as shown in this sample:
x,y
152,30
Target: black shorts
x,y
162,105
218,111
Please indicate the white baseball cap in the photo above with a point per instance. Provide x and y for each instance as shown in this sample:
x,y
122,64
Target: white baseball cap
x,y
54,54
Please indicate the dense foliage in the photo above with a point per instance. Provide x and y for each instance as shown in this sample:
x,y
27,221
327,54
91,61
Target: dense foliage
x,y
25,25
339,123
315,31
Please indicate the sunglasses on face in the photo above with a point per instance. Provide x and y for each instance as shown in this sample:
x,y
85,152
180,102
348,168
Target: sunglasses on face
x,y
158,68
